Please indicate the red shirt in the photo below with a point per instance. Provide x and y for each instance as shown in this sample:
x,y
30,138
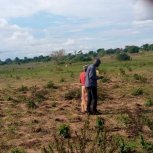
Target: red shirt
x,y
83,78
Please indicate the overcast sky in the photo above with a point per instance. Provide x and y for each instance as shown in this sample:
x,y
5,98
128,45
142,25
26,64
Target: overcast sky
x,y
34,27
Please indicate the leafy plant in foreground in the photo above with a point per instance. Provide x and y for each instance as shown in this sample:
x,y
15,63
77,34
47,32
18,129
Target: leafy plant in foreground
x,y
137,92
64,131
149,102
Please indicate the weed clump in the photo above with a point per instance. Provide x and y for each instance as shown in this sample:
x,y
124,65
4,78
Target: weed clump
x,y
140,78
105,80
64,131
72,94
123,57
18,150
149,103
50,85
39,95
62,80
23,89
147,146
100,123
137,92
126,148
31,104
122,71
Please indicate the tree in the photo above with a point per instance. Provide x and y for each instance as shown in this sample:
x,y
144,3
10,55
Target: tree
x,y
123,57
58,56
132,49
17,60
145,47
101,51
8,61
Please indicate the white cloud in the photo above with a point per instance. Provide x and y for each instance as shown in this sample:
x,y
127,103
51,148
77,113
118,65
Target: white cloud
x,y
73,8
90,24
143,10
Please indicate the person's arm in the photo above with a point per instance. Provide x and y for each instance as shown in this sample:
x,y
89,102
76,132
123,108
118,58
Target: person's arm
x,y
99,77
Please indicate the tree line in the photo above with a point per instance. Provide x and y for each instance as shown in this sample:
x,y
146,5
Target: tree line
x,y
60,57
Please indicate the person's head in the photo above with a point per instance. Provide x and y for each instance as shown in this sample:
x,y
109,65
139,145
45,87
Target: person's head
x,y
85,68
97,62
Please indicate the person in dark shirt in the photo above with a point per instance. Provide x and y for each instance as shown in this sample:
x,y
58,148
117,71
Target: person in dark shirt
x,y
91,85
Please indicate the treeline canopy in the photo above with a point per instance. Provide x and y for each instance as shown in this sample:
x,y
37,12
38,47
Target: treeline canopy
x,y
61,57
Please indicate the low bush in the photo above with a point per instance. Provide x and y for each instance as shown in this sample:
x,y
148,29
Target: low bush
x,y
139,78
137,92
62,80
72,94
39,95
105,80
149,102
147,146
18,150
123,57
100,123
50,85
23,89
64,131
31,104
122,71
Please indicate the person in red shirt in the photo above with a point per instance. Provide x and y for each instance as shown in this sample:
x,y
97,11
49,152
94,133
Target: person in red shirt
x,y
83,90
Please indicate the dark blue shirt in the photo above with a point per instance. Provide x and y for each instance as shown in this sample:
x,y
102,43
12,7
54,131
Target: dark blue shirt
x,y
91,78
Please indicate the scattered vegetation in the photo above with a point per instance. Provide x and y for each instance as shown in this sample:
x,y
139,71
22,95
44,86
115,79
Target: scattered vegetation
x,y
140,78
123,57
149,102
64,131
18,150
122,71
31,104
137,92
50,85
23,89
72,94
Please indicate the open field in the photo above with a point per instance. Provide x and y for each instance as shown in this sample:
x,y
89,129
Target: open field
x,y
36,98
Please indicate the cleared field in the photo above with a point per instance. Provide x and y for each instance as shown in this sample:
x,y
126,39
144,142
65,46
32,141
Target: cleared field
x,y
36,98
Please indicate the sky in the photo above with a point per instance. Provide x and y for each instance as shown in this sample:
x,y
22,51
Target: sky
x,y
31,28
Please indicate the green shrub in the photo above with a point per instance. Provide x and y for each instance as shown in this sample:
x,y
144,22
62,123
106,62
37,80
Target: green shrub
x,y
122,71
105,79
149,122
149,102
64,131
23,89
31,104
18,150
39,95
137,92
72,94
126,147
147,146
124,118
123,57
139,78
50,85
129,68
100,123
62,80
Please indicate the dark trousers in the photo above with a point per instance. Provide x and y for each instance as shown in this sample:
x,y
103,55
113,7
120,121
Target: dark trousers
x,y
92,100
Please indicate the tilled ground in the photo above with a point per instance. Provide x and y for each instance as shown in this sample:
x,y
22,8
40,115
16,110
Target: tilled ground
x,y
32,129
